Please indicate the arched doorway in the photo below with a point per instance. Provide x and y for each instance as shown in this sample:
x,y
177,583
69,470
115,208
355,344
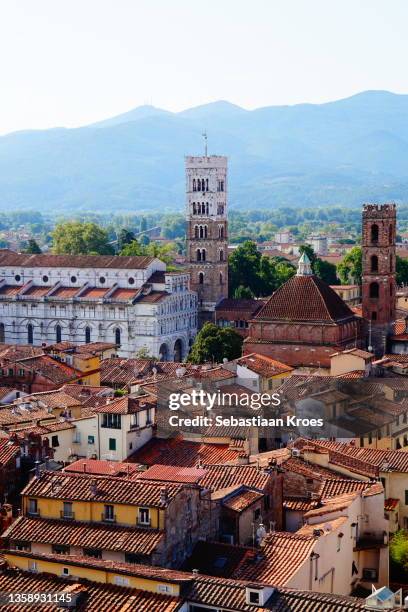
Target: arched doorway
x,y
178,350
164,352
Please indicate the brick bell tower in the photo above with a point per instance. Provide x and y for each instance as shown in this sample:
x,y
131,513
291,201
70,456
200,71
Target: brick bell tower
x,y
378,274
207,226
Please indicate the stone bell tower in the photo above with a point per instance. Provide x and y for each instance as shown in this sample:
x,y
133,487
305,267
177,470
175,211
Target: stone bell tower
x,y
207,230
378,273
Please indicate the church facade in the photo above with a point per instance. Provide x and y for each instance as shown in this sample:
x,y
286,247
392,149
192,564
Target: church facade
x,y
131,301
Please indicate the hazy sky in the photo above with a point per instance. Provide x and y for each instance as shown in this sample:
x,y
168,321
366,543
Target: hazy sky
x,y
72,62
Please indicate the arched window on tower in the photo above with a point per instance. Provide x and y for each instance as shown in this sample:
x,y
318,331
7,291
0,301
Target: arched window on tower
x,y
206,184
374,263
207,208
196,231
117,336
201,231
222,255
30,334
203,255
374,290
220,231
194,185
205,231
58,333
198,185
374,233
87,335
194,208
198,255
201,278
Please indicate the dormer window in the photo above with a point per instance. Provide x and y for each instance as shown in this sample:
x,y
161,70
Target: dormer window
x,y
144,516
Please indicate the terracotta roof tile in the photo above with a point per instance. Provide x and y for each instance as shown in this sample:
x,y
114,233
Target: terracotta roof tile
x,y
391,504
103,467
305,298
95,596
175,451
73,533
264,366
127,404
123,295
242,500
282,554
75,486
172,473
74,261
224,476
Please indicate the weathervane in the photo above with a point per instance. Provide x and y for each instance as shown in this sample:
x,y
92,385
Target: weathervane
x,y
204,135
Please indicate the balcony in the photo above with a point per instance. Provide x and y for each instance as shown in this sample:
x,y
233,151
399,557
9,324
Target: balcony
x,y
108,518
371,540
68,516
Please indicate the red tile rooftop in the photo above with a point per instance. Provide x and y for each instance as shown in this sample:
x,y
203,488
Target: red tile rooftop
x,y
103,467
242,500
36,291
123,295
75,533
172,473
10,258
10,289
85,487
262,365
175,451
282,555
391,504
64,293
318,302
94,293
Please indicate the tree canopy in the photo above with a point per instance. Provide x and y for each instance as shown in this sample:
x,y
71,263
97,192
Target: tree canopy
x,y
32,247
351,268
214,343
77,238
258,274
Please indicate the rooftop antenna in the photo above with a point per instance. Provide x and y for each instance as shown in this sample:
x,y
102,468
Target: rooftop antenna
x,y
204,135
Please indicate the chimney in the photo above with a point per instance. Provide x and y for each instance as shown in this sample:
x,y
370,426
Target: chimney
x,y
84,467
163,496
37,469
94,487
195,571
47,464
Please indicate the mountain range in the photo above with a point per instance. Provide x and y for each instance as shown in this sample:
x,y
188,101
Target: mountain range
x,y
343,152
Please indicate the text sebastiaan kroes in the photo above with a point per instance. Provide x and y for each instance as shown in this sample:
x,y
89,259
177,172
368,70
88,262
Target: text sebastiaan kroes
x,y
210,402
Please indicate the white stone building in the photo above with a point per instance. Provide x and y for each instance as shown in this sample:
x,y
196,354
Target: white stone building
x,y
131,301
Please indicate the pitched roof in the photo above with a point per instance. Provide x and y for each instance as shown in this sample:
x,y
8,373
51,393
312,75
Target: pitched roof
x,y
176,451
8,451
225,476
242,500
50,368
94,596
74,533
305,298
262,365
127,404
103,467
86,487
10,258
282,554
357,458
172,473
